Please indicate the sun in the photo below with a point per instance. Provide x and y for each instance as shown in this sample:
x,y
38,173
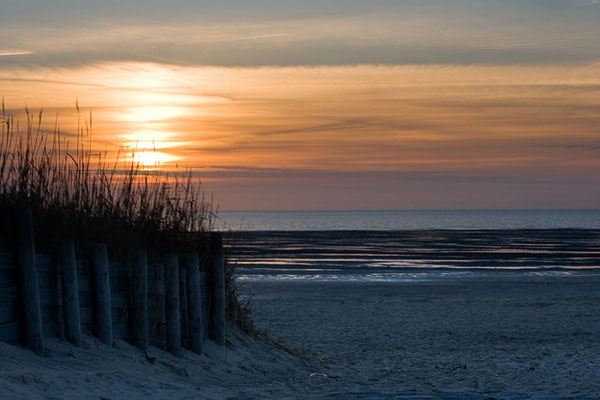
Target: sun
x,y
149,158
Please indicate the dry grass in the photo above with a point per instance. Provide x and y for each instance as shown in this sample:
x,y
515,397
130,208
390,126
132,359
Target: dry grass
x,y
89,195
77,193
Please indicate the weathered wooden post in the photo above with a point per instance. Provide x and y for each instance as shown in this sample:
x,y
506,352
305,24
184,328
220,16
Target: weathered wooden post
x,y
192,268
173,340
217,300
67,266
159,290
140,299
183,305
204,297
29,280
102,290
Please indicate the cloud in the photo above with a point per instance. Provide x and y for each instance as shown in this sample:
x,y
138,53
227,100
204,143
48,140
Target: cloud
x,y
273,35
491,34
397,130
5,53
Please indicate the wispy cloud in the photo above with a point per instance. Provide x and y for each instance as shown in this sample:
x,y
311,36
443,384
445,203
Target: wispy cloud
x,y
273,35
5,53
490,34
380,136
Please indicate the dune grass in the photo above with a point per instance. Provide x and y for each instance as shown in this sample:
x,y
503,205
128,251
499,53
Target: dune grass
x,y
89,196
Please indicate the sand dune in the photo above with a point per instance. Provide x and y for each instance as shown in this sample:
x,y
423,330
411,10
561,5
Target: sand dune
x,y
245,369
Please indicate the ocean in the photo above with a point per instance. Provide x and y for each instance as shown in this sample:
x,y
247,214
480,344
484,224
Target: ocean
x,y
405,246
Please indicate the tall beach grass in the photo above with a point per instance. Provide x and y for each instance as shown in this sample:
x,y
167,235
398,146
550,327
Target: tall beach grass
x,y
89,196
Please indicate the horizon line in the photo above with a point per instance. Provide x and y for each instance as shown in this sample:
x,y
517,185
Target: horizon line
x,y
414,210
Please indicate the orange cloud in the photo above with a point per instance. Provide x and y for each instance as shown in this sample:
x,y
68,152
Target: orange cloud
x,y
536,123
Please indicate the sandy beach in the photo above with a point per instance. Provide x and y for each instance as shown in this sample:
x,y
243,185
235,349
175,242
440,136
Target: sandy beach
x,y
503,338
244,369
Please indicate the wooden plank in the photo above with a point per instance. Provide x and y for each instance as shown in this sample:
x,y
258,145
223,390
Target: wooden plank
x,y
83,268
140,299
152,272
157,302
119,315
83,299
85,290
8,259
48,314
45,263
120,331
11,332
158,309
100,269
88,329
191,263
9,314
47,280
217,298
6,240
204,293
118,270
84,283
183,304
9,278
120,285
9,296
118,300
68,266
156,287
173,330
50,330
87,315
28,279
48,297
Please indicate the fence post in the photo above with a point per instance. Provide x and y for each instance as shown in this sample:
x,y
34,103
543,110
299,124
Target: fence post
x,y
102,289
159,290
140,300
183,306
217,301
173,339
70,292
192,267
29,280
204,301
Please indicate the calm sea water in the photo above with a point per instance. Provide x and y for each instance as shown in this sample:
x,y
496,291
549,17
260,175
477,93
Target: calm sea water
x,y
406,246
407,220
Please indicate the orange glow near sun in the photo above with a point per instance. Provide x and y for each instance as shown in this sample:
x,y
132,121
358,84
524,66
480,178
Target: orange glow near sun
x,y
273,125
152,159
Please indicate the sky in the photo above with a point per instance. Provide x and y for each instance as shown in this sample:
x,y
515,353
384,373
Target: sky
x,y
397,104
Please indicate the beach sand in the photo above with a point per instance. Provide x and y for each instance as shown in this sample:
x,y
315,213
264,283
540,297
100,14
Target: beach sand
x,y
244,369
501,338
534,337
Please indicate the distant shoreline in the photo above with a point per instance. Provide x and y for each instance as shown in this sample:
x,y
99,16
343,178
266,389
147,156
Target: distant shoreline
x,y
406,220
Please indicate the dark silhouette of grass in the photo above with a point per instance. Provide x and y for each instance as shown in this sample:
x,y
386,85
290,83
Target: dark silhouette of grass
x,y
88,196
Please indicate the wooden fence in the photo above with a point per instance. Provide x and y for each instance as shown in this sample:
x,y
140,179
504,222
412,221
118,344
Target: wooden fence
x,y
178,302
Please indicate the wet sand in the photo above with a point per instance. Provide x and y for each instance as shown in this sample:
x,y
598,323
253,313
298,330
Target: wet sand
x,y
504,337
396,255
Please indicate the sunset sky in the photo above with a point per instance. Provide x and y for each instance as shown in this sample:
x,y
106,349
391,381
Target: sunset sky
x,y
405,104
